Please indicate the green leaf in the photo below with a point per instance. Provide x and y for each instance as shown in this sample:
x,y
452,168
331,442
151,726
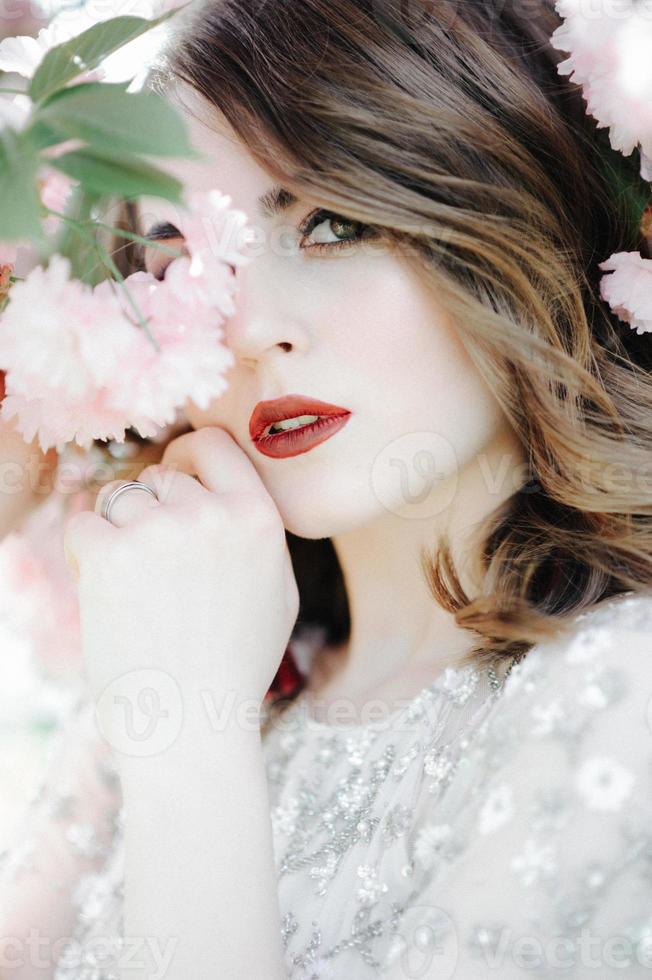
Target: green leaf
x,y
114,120
73,241
85,51
65,93
631,191
123,176
20,208
40,136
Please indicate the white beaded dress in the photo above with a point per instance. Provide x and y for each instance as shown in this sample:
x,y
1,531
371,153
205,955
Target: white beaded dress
x,y
489,827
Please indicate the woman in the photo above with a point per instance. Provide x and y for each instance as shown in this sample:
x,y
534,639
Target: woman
x,y
461,788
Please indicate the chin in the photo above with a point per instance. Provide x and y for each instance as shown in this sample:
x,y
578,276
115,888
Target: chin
x,y
323,515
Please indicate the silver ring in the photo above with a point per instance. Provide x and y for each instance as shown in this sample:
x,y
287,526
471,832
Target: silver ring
x,y
134,484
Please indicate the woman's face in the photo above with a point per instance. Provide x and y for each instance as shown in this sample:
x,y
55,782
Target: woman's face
x,y
350,326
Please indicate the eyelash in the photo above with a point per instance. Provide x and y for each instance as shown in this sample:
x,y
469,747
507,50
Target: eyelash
x,y
312,221
316,218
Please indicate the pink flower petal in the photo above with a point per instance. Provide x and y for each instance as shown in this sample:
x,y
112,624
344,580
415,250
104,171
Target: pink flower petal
x,y
609,45
628,290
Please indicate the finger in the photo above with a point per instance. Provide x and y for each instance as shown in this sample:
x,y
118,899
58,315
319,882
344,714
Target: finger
x,y
130,507
172,484
84,534
216,458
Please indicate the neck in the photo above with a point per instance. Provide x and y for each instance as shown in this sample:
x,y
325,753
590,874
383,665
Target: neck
x,y
396,624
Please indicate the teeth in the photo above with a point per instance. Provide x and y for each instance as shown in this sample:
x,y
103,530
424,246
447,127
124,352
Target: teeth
x,y
294,423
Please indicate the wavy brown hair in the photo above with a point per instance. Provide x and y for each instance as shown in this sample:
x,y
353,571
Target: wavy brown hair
x,y
448,127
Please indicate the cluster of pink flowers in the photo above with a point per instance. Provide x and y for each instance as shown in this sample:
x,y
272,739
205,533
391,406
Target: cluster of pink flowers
x,y
79,363
610,44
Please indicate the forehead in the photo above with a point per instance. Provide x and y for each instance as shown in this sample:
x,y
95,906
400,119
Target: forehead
x,y
225,164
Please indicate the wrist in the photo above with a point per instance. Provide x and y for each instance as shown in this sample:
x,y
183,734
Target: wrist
x,y
192,731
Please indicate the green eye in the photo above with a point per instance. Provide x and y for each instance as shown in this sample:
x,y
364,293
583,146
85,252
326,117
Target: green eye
x,y
346,230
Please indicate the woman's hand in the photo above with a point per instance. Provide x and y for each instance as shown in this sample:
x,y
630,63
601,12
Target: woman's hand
x,y
198,585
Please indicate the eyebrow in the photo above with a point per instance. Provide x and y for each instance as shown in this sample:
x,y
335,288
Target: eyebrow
x,y
276,200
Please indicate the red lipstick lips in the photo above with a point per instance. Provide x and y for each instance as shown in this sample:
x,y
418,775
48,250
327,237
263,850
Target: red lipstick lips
x,y
297,440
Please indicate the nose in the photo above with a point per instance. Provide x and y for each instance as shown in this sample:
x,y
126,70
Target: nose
x,y
266,322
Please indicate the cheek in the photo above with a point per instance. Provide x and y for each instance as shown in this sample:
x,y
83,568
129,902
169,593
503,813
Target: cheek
x,y
221,412
397,345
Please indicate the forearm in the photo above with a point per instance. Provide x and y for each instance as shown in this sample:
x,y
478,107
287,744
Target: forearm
x,y
200,878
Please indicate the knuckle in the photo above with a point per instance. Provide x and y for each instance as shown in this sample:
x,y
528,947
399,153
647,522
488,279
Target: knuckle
x,y
266,519
159,477
178,446
212,515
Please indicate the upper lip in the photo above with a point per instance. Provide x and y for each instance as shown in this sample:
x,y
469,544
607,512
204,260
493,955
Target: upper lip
x,y
288,407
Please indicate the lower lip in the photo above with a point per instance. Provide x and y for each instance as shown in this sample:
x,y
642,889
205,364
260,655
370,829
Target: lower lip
x,y
297,441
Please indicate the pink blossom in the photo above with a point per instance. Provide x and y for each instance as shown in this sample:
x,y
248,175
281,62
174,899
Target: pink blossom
x,y
628,290
191,362
212,229
23,17
8,253
61,346
55,190
81,367
214,235
609,44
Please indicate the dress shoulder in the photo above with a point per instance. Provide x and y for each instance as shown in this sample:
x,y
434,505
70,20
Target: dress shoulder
x,y
543,864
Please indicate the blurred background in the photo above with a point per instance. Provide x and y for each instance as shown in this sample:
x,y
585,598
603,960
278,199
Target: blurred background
x,y
40,657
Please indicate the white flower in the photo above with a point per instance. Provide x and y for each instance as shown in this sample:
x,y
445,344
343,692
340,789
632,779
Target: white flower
x,y
646,166
604,783
534,862
429,842
593,696
587,643
497,809
23,54
14,111
545,718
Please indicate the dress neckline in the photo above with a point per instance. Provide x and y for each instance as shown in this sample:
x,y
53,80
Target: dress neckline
x,y
451,679
446,682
